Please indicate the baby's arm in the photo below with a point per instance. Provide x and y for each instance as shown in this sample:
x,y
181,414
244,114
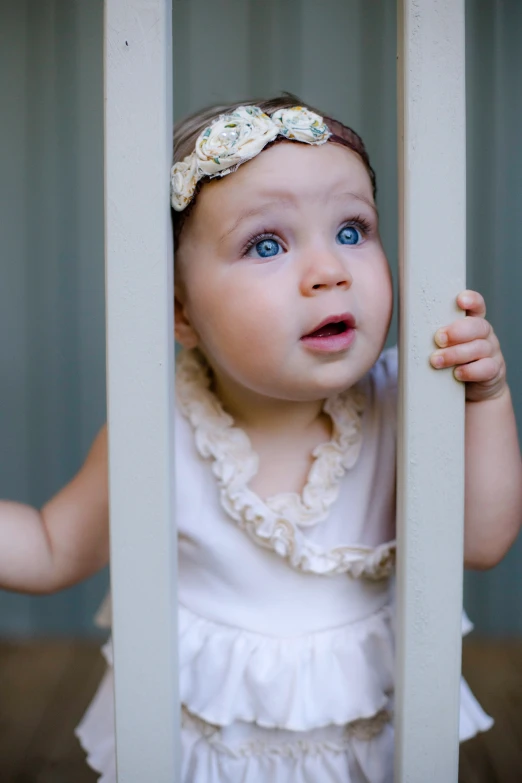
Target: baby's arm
x,y
493,490
68,540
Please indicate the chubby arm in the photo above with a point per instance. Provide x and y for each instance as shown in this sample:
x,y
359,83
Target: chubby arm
x,y
493,481
493,489
67,540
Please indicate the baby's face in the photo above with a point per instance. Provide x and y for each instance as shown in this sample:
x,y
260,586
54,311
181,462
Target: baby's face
x,y
288,242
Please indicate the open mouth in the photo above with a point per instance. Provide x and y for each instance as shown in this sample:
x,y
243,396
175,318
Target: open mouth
x,y
336,333
332,326
329,329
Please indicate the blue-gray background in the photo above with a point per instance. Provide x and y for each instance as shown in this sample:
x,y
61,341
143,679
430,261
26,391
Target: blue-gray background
x,y
338,55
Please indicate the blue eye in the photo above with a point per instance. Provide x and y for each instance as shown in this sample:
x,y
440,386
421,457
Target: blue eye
x,y
349,235
265,248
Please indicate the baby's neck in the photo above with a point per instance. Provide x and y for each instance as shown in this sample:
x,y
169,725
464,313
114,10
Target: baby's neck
x,y
283,434
270,416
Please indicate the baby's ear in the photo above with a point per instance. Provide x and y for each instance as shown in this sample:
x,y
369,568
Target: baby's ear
x,y
183,330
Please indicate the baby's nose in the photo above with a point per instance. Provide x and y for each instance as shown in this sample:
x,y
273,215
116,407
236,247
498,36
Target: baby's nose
x,y
324,272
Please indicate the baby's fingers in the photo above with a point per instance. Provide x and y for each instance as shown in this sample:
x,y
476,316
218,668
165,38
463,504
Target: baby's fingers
x,y
482,371
463,353
463,331
472,302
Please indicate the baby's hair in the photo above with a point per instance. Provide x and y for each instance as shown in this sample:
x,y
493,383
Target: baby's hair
x,y
187,131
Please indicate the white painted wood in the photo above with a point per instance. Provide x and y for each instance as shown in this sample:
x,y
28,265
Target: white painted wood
x,y
431,84
138,141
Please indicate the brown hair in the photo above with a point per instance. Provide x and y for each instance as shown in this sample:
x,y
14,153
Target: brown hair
x,y
187,131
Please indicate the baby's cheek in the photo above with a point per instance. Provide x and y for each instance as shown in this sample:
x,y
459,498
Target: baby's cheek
x,y
234,330
379,294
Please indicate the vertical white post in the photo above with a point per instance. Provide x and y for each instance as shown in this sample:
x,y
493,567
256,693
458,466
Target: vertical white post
x,y
431,82
140,342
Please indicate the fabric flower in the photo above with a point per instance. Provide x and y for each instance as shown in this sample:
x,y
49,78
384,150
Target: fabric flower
x,y
300,124
237,137
183,181
233,139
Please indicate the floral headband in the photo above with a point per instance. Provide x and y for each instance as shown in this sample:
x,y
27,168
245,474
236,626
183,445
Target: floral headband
x,y
237,137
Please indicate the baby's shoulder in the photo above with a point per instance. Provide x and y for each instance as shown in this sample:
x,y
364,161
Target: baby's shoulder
x,y
380,387
385,370
373,396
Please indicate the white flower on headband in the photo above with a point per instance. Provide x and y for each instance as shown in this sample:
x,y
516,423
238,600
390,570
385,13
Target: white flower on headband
x,y
233,139
300,124
183,181
237,137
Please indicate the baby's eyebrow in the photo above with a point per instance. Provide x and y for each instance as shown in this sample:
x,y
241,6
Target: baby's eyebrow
x,y
257,210
285,201
359,197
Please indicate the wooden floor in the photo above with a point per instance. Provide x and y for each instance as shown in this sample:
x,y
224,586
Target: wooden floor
x,y
45,687
494,673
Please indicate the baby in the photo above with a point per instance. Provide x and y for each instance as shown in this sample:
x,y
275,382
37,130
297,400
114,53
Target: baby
x,y
285,445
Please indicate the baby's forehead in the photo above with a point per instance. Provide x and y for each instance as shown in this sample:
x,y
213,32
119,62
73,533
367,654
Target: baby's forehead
x,y
291,169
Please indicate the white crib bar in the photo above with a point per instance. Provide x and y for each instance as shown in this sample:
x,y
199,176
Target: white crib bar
x,y
432,172
140,342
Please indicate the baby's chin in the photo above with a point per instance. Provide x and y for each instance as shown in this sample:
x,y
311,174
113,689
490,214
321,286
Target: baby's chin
x,y
297,377
316,386
335,377
311,381
323,390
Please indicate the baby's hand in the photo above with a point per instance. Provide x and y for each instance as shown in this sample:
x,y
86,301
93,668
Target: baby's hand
x,y
471,346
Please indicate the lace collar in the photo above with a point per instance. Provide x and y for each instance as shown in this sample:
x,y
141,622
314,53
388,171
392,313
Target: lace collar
x,y
277,523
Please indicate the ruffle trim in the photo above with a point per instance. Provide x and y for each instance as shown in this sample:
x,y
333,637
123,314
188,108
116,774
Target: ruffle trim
x,y
96,731
277,522
336,754
281,742
333,677
472,717
299,683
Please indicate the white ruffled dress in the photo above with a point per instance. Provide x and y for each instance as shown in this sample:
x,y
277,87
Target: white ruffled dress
x,y
285,615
